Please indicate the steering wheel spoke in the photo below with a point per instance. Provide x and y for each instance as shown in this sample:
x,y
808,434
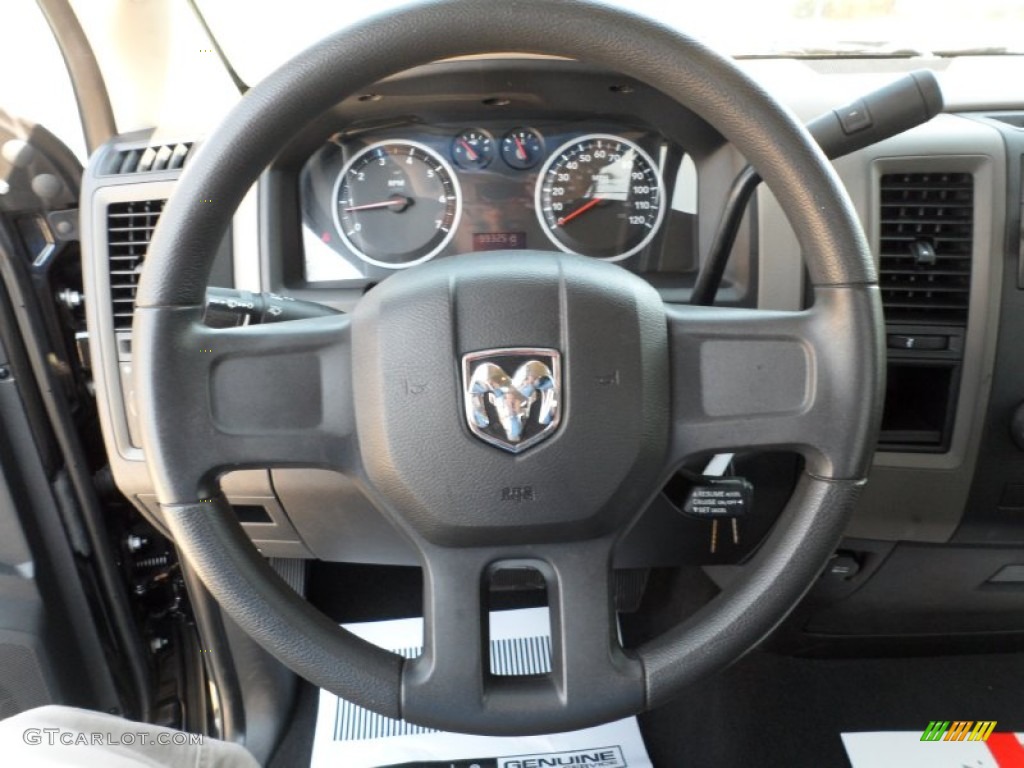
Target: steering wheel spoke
x,y
748,379
255,396
591,677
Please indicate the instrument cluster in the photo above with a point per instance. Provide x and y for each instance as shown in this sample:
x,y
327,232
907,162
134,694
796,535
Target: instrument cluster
x,y
386,200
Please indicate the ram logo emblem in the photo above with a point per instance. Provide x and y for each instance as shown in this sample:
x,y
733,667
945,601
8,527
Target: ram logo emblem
x,y
512,396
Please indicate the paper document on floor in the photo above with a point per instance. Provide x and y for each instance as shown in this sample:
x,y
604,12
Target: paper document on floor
x,y
907,749
350,736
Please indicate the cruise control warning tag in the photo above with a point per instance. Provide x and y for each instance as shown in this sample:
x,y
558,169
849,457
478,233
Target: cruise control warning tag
x,y
720,497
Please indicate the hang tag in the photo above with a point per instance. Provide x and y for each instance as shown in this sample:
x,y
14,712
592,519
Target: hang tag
x,y
720,497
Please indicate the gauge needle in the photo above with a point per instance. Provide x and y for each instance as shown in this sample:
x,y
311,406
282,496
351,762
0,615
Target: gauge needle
x,y
579,211
397,202
469,150
520,149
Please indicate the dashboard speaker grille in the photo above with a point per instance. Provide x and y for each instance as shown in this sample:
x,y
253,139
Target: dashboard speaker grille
x,y
925,244
130,228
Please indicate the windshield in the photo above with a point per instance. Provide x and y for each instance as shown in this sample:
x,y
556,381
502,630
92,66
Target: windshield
x,y
258,37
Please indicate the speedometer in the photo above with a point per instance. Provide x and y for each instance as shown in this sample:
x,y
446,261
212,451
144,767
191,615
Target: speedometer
x,y
397,203
600,195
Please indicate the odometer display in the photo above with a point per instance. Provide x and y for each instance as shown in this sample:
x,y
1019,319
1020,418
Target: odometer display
x,y
397,203
600,195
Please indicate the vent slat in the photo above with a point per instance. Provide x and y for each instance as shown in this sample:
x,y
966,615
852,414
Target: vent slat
x,y
926,241
129,231
915,288
901,221
948,306
929,186
160,157
937,205
937,239
147,160
913,271
163,157
127,162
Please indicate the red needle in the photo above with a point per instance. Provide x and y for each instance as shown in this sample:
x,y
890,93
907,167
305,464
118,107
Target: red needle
x,y
520,149
469,150
393,202
581,210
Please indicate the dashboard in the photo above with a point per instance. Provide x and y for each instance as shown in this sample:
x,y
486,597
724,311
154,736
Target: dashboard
x,y
495,158
382,201
527,153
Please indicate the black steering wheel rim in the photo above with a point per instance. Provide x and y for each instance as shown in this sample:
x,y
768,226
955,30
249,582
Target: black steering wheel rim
x,y
172,293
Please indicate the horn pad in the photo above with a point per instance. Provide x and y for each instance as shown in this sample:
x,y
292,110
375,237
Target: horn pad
x,y
507,398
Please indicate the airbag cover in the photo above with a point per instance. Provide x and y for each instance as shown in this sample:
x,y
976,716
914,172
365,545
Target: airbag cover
x,y
410,335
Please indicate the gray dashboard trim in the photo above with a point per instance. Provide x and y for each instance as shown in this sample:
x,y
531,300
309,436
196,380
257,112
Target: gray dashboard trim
x,y
99,318
245,235
983,315
915,496
922,497
126,460
781,284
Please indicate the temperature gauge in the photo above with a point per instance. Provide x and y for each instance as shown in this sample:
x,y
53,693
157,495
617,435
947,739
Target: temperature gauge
x,y
522,148
473,149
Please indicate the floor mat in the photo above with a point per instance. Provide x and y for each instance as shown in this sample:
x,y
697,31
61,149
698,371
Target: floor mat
x,y
351,736
774,711
931,749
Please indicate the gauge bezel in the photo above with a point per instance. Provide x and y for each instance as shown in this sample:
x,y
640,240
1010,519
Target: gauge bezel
x,y
557,152
495,149
455,219
526,129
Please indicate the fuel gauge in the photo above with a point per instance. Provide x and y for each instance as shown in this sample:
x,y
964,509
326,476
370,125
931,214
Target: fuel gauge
x,y
522,148
473,149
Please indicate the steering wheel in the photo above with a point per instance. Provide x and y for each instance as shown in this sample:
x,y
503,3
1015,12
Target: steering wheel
x,y
641,386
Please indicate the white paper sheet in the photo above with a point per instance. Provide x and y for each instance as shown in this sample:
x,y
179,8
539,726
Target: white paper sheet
x,y
897,749
352,737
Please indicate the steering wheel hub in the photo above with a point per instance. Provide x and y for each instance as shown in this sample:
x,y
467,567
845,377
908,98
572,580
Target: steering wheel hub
x,y
597,330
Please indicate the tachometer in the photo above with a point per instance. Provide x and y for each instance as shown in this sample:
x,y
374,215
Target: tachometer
x,y
397,204
600,195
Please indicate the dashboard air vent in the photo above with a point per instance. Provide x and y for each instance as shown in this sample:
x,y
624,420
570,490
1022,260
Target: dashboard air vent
x,y
926,238
165,157
129,229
